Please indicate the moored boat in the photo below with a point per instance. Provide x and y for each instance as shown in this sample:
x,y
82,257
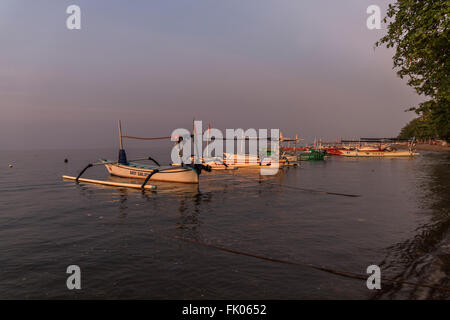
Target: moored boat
x,y
312,154
131,169
236,161
251,161
184,174
378,153
334,151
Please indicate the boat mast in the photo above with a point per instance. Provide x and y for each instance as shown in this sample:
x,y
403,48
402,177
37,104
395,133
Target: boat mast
x,y
207,140
120,136
122,154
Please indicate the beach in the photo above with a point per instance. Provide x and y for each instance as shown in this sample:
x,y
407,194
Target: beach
x,y
424,147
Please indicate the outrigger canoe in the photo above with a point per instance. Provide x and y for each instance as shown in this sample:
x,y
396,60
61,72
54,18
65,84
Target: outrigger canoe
x,y
130,169
378,153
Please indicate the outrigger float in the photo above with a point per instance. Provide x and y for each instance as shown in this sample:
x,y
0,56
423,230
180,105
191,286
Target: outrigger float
x,y
131,169
111,183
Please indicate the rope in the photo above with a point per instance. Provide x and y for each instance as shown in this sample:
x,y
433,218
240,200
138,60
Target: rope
x,y
307,190
139,138
210,139
316,191
346,274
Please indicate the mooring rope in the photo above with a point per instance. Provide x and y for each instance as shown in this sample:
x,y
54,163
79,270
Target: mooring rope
x,y
211,139
346,274
305,189
316,191
140,138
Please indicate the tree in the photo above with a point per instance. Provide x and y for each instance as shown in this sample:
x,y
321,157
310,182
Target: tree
x,y
421,128
419,32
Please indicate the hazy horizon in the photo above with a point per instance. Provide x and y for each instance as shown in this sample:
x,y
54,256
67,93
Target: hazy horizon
x,y
305,68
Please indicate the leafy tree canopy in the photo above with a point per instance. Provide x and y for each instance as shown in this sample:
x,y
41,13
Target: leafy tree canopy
x,y
420,128
419,32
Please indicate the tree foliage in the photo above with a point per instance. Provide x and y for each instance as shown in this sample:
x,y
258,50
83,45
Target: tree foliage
x,y
421,128
419,32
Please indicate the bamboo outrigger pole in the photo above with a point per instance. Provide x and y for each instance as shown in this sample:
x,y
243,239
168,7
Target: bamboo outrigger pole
x,y
113,183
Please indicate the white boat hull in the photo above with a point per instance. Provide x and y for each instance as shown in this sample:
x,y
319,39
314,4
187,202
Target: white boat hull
x,y
251,161
356,153
234,162
168,174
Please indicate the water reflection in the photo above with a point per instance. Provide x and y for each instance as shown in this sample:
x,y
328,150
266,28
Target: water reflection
x,y
190,215
120,197
123,207
425,258
220,186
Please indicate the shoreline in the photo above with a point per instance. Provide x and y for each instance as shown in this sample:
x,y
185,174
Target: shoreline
x,y
424,147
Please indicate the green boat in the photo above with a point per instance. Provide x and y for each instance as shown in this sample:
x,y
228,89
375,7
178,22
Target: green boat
x,y
313,155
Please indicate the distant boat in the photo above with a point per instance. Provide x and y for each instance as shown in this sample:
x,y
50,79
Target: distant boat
x,y
338,151
251,161
377,153
312,154
372,150
231,161
293,148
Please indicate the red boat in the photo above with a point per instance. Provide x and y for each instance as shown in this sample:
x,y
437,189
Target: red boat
x,y
292,149
337,151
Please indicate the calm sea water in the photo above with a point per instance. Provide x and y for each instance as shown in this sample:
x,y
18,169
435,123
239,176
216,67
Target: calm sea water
x,y
124,240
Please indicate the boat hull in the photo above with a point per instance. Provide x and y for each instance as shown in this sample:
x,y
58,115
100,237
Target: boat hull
x,y
334,151
356,153
234,162
251,161
170,174
237,165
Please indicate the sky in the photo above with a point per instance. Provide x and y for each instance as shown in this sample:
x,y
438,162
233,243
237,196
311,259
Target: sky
x,y
305,67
